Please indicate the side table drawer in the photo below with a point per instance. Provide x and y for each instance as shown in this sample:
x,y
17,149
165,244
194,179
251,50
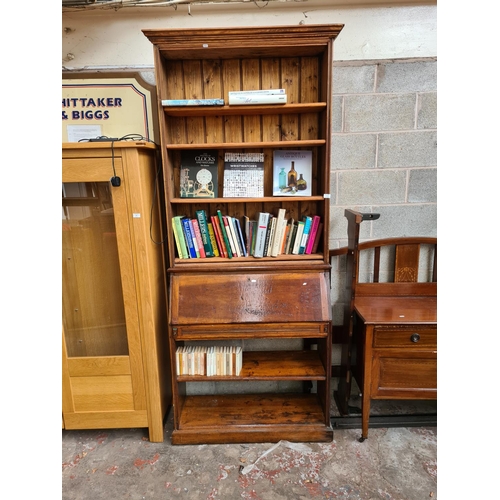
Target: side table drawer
x,y
404,374
410,337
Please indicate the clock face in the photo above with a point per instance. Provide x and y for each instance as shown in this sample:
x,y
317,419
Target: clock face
x,y
203,176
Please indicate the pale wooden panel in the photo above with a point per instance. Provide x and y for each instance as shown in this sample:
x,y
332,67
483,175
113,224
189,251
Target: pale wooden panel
x,y
290,81
106,393
213,90
270,71
103,420
309,87
81,170
232,81
193,83
67,398
250,71
105,365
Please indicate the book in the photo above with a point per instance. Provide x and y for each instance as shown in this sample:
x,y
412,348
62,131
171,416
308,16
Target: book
x,y
260,237
241,239
292,172
291,238
246,98
179,237
312,234
194,238
279,233
298,237
218,236
256,92
198,174
231,236
305,234
243,175
269,235
192,102
317,238
189,237
222,229
201,216
213,239
199,241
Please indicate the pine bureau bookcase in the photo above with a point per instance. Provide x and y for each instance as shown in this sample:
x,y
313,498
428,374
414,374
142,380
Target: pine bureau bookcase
x,y
277,301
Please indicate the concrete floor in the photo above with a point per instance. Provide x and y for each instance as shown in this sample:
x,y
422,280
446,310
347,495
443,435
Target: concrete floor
x,y
392,464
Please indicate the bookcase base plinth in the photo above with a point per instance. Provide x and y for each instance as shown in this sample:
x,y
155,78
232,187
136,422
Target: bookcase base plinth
x,y
252,418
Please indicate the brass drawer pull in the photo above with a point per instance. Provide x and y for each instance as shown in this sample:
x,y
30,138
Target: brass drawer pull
x,y
415,337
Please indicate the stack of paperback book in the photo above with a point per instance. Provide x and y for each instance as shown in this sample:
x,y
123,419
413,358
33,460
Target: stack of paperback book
x,y
209,361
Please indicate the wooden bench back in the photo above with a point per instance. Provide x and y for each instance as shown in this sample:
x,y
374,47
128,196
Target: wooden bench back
x,y
405,266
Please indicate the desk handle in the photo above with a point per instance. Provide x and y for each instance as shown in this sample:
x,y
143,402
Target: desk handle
x,y
415,337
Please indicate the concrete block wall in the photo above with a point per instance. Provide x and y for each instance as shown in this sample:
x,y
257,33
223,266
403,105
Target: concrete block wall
x,y
384,153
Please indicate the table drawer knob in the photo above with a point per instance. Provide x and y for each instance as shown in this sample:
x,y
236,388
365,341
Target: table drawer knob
x,y
415,337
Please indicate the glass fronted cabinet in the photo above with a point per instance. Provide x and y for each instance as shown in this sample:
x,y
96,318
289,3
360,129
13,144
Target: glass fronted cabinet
x,y
115,359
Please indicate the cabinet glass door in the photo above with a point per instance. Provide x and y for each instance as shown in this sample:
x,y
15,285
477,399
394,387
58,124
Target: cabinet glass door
x,y
93,308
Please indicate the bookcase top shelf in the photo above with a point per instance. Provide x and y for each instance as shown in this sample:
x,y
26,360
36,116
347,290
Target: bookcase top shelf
x,y
249,145
268,109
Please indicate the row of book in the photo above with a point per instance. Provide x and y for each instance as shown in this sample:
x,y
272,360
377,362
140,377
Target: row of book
x,y
225,236
237,97
209,361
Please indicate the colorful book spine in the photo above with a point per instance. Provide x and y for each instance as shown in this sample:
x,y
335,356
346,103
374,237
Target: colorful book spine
x,y
218,236
241,239
192,102
205,236
318,237
180,239
305,234
213,239
269,235
290,234
228,226
189,237
279,233
298,237
312,235
261,232
199,241
224,234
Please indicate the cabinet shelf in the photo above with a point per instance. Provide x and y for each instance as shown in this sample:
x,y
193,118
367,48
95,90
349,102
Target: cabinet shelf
x,y
250,145
263,199
250,418
185,111
272,365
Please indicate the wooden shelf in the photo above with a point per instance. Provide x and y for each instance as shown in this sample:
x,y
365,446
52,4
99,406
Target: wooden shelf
x,y
249,145
252,418
272,365
263,199
283,109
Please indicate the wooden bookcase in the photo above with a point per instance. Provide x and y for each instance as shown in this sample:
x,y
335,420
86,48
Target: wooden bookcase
x,y
284,298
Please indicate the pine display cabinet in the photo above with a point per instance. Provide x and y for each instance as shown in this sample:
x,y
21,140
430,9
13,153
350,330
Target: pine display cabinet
x,y
269,301
115,360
